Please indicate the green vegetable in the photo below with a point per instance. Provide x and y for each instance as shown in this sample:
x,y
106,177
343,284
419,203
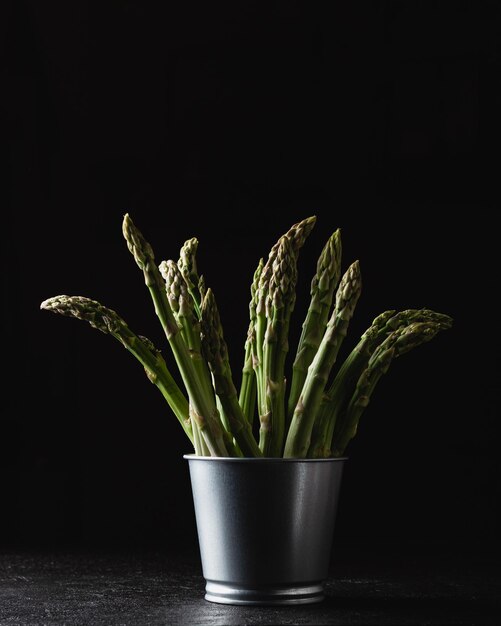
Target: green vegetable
x,y
322,290
299,437
216,352
203,411
320,414
109,322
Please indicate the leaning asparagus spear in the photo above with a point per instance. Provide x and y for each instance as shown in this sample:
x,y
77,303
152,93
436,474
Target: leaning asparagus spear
x,y
334,399
216,352
109,322
397,343
299,436
322,291
381,328
208,421
333,407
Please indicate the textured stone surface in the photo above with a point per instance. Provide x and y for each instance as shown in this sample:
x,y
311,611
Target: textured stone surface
x,y
155,589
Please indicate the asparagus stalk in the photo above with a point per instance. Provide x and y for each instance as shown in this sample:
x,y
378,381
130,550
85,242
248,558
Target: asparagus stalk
x,y
322,290
216,352
260,329
248,385
248,388
183,308
297,235
334,399
332,411
299,436
380,329
109,322
397,343
197,437
196,287
279,307
182,301
202,410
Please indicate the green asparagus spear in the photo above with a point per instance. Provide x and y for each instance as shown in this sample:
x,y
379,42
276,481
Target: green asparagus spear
x,y
296,235
335,398
248,388
208,421
299,436
189,322
333,407
279,307
196,288
216,352
197,437
322,291
109,322
383,325
183,307
397,343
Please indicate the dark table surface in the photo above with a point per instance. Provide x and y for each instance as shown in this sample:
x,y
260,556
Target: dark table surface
x,y
147,588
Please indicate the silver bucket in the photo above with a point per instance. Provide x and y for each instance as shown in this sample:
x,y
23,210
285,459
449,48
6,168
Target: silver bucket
x,y
265,527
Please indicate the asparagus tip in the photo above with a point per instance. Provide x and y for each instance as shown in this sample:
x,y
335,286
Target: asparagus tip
x,y
50,303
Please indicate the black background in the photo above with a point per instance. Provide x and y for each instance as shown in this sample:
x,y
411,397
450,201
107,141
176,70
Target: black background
x,y
229,123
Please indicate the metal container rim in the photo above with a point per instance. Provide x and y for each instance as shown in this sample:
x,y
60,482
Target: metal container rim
x,y
266,459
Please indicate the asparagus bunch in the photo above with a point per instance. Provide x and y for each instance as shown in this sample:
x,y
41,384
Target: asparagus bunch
x,y
323,409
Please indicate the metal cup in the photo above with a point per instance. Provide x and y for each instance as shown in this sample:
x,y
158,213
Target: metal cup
x,y
265,526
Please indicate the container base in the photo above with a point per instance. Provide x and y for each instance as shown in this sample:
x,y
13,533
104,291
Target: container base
x,y
223,593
